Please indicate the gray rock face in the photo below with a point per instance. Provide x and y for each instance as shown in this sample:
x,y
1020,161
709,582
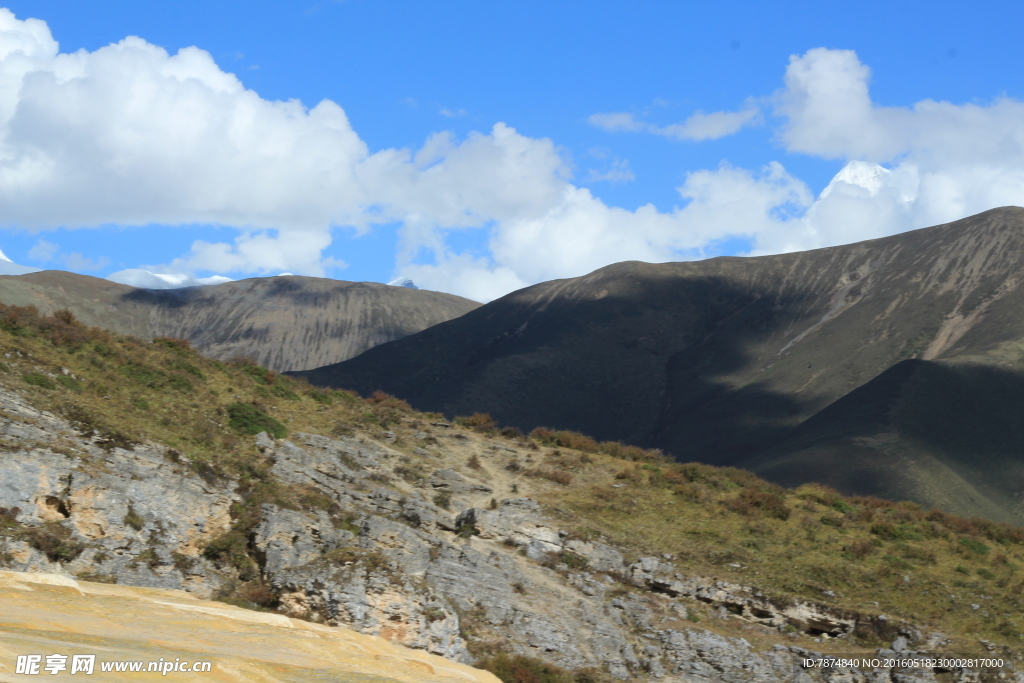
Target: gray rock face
x,y
390,563
745,601
138,515
453,482
287,538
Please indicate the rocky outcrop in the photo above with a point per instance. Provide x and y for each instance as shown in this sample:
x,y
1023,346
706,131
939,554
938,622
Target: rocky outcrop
x,y
486,575
141,516
745,602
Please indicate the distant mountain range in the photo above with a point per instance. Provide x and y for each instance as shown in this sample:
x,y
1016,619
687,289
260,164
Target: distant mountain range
x,y
888,367
285,323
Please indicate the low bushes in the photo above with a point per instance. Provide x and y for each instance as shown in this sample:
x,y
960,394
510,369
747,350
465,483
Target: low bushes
x,y
752,501
248,419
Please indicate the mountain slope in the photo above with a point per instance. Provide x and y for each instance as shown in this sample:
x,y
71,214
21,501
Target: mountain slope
x,y
719,360
285,323
947,433
136,463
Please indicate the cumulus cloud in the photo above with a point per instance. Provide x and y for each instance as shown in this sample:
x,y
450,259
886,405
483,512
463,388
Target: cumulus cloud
x,y
699,126
906,167
131,135
580,233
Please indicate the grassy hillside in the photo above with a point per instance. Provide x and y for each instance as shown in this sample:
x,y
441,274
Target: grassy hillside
x,y
961,577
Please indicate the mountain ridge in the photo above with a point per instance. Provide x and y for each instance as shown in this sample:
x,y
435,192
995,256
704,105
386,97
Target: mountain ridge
x,y
716,361
284,322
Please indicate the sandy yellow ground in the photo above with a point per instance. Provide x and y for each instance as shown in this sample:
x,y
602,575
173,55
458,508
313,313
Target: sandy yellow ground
x,y
50,614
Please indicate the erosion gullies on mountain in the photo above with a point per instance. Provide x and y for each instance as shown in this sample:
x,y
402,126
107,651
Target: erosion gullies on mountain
x,y
959,425
284,323
143,464
719,361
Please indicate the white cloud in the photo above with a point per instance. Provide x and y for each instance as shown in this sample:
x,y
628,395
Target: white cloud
x,y
137,277
43,251
76,262
907,167
699,126
131,135
617,172
615,122
298,250
580,233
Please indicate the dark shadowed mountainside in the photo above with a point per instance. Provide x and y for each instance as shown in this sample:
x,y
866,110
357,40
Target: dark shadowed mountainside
x,y
285,323
721,361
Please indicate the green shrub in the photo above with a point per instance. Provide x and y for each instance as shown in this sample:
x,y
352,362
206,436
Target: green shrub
x,y
55,542
974,545
320,397
133,519
841,505
70,383
511,433
178,384
38,379
232,549
443,499
178,364
143,374
572,560
248,419
9,518
896,532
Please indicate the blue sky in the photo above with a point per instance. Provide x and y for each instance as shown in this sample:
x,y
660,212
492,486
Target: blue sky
x,y
481,147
